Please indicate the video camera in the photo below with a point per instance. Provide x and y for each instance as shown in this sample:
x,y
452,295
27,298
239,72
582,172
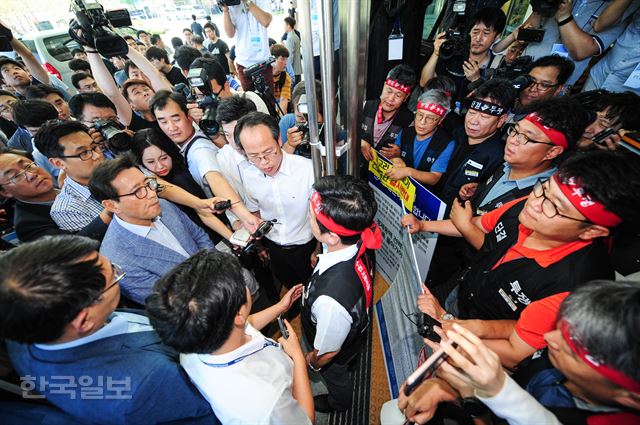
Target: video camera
x,y
546,8
198,77
229,2
116,139
95,24
455,50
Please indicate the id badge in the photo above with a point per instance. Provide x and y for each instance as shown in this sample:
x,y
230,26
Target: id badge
x,y
396,42
256,44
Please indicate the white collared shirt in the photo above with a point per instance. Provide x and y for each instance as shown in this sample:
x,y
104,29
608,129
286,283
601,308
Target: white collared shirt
x,y
285,197
231,162
157,232
333,322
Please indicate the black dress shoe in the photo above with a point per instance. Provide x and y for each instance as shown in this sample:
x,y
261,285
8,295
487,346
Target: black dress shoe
x,y
321,404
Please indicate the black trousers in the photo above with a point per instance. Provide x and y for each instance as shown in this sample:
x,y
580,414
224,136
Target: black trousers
x,y
291,264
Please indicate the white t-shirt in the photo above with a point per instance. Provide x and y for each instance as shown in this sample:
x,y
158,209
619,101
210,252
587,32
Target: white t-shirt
x,y
201,159
252,40
250,385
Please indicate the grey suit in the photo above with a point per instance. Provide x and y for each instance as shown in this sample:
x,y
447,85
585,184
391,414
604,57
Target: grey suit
x,y
145,261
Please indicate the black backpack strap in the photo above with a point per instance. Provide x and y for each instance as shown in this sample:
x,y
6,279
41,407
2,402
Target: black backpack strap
x,y
186,151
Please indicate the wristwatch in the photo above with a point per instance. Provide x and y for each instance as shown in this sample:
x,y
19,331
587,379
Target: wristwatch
x,y
474,407
447,316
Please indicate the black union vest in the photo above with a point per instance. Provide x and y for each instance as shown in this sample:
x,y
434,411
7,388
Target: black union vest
x,y
439,141
485,187
502,293
402,119
342,283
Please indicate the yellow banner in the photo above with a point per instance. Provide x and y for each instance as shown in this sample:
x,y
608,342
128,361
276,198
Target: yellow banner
x,y
402,188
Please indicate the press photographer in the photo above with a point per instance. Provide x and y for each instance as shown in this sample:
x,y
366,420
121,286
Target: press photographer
x,y
450,49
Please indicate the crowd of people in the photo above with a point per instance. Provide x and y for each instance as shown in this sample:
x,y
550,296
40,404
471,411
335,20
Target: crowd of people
x,y
169,226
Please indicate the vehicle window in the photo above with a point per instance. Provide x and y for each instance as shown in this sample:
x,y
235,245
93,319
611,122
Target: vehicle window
x,y
59,46
30,45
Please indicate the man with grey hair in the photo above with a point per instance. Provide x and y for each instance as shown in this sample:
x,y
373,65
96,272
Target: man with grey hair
x,y
425,146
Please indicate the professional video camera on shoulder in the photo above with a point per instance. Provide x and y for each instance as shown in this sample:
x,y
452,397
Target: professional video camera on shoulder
x,y
198,78
96,26
455,50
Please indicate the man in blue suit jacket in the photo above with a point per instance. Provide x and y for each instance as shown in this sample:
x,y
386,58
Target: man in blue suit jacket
x,y
68,343
148,236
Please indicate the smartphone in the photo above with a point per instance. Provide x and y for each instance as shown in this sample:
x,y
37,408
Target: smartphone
x,y
425,369
283,328
531,35
600,137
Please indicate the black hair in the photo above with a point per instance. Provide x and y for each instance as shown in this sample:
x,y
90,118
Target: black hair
x,y
155,38
622,109
611,178
187,29
47,139
163,97
7,93
196,39
154,52
491,17
102,177
41,91
185,55
278,50
156,137
193,17
564,66
212,67
300,89
207,18
45,284
442,83
403,74
78,102
254,119
130,83
33,113
79,65
75,51
128,65
499,91
232,108
210,26
565,115
5,61
176,42
77,77
349,201
193,307
290,21
604,317
129,37
141,32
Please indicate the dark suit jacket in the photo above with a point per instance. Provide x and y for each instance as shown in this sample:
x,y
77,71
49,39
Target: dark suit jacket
x,y
32,221
154,387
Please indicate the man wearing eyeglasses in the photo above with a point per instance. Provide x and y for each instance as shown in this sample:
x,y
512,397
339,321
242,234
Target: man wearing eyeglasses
x,y
33,189
71,346
548,75
147,236
539,248
278,186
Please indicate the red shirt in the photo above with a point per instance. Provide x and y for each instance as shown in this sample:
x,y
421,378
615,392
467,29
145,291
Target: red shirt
x,y
538,318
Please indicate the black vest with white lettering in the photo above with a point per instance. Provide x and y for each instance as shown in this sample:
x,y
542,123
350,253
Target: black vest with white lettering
x,y
342,283
503,292
491,204
439,141
369,116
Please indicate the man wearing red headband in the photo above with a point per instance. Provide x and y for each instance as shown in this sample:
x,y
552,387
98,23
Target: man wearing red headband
x,y
337,298
383,118
425,147
538,249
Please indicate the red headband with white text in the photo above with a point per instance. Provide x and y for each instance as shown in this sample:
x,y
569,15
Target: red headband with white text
x,y
556,137
395,84
432,107
610,373
593,210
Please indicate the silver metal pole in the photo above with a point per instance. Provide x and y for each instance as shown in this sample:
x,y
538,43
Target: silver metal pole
x,y
304,13
325,24
357,30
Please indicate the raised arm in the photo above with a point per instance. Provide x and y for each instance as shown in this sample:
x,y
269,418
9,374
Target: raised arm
x,y
611,15
108,86
157,78
263,17
229,28
31,62
580,44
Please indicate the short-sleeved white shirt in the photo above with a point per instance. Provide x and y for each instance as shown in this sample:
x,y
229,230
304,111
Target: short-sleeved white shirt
x,y
249,385
284,197
201,159
252,40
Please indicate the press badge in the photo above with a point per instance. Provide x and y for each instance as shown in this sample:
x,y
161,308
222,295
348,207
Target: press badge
x,y
396,43
256,43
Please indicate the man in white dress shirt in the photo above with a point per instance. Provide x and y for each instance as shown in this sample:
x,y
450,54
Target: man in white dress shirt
x,y
278,186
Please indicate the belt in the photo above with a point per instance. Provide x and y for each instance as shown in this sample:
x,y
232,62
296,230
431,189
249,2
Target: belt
x,y
286,247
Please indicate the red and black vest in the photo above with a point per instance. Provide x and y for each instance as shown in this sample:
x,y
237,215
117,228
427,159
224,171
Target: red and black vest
x,y
504,291
402,119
